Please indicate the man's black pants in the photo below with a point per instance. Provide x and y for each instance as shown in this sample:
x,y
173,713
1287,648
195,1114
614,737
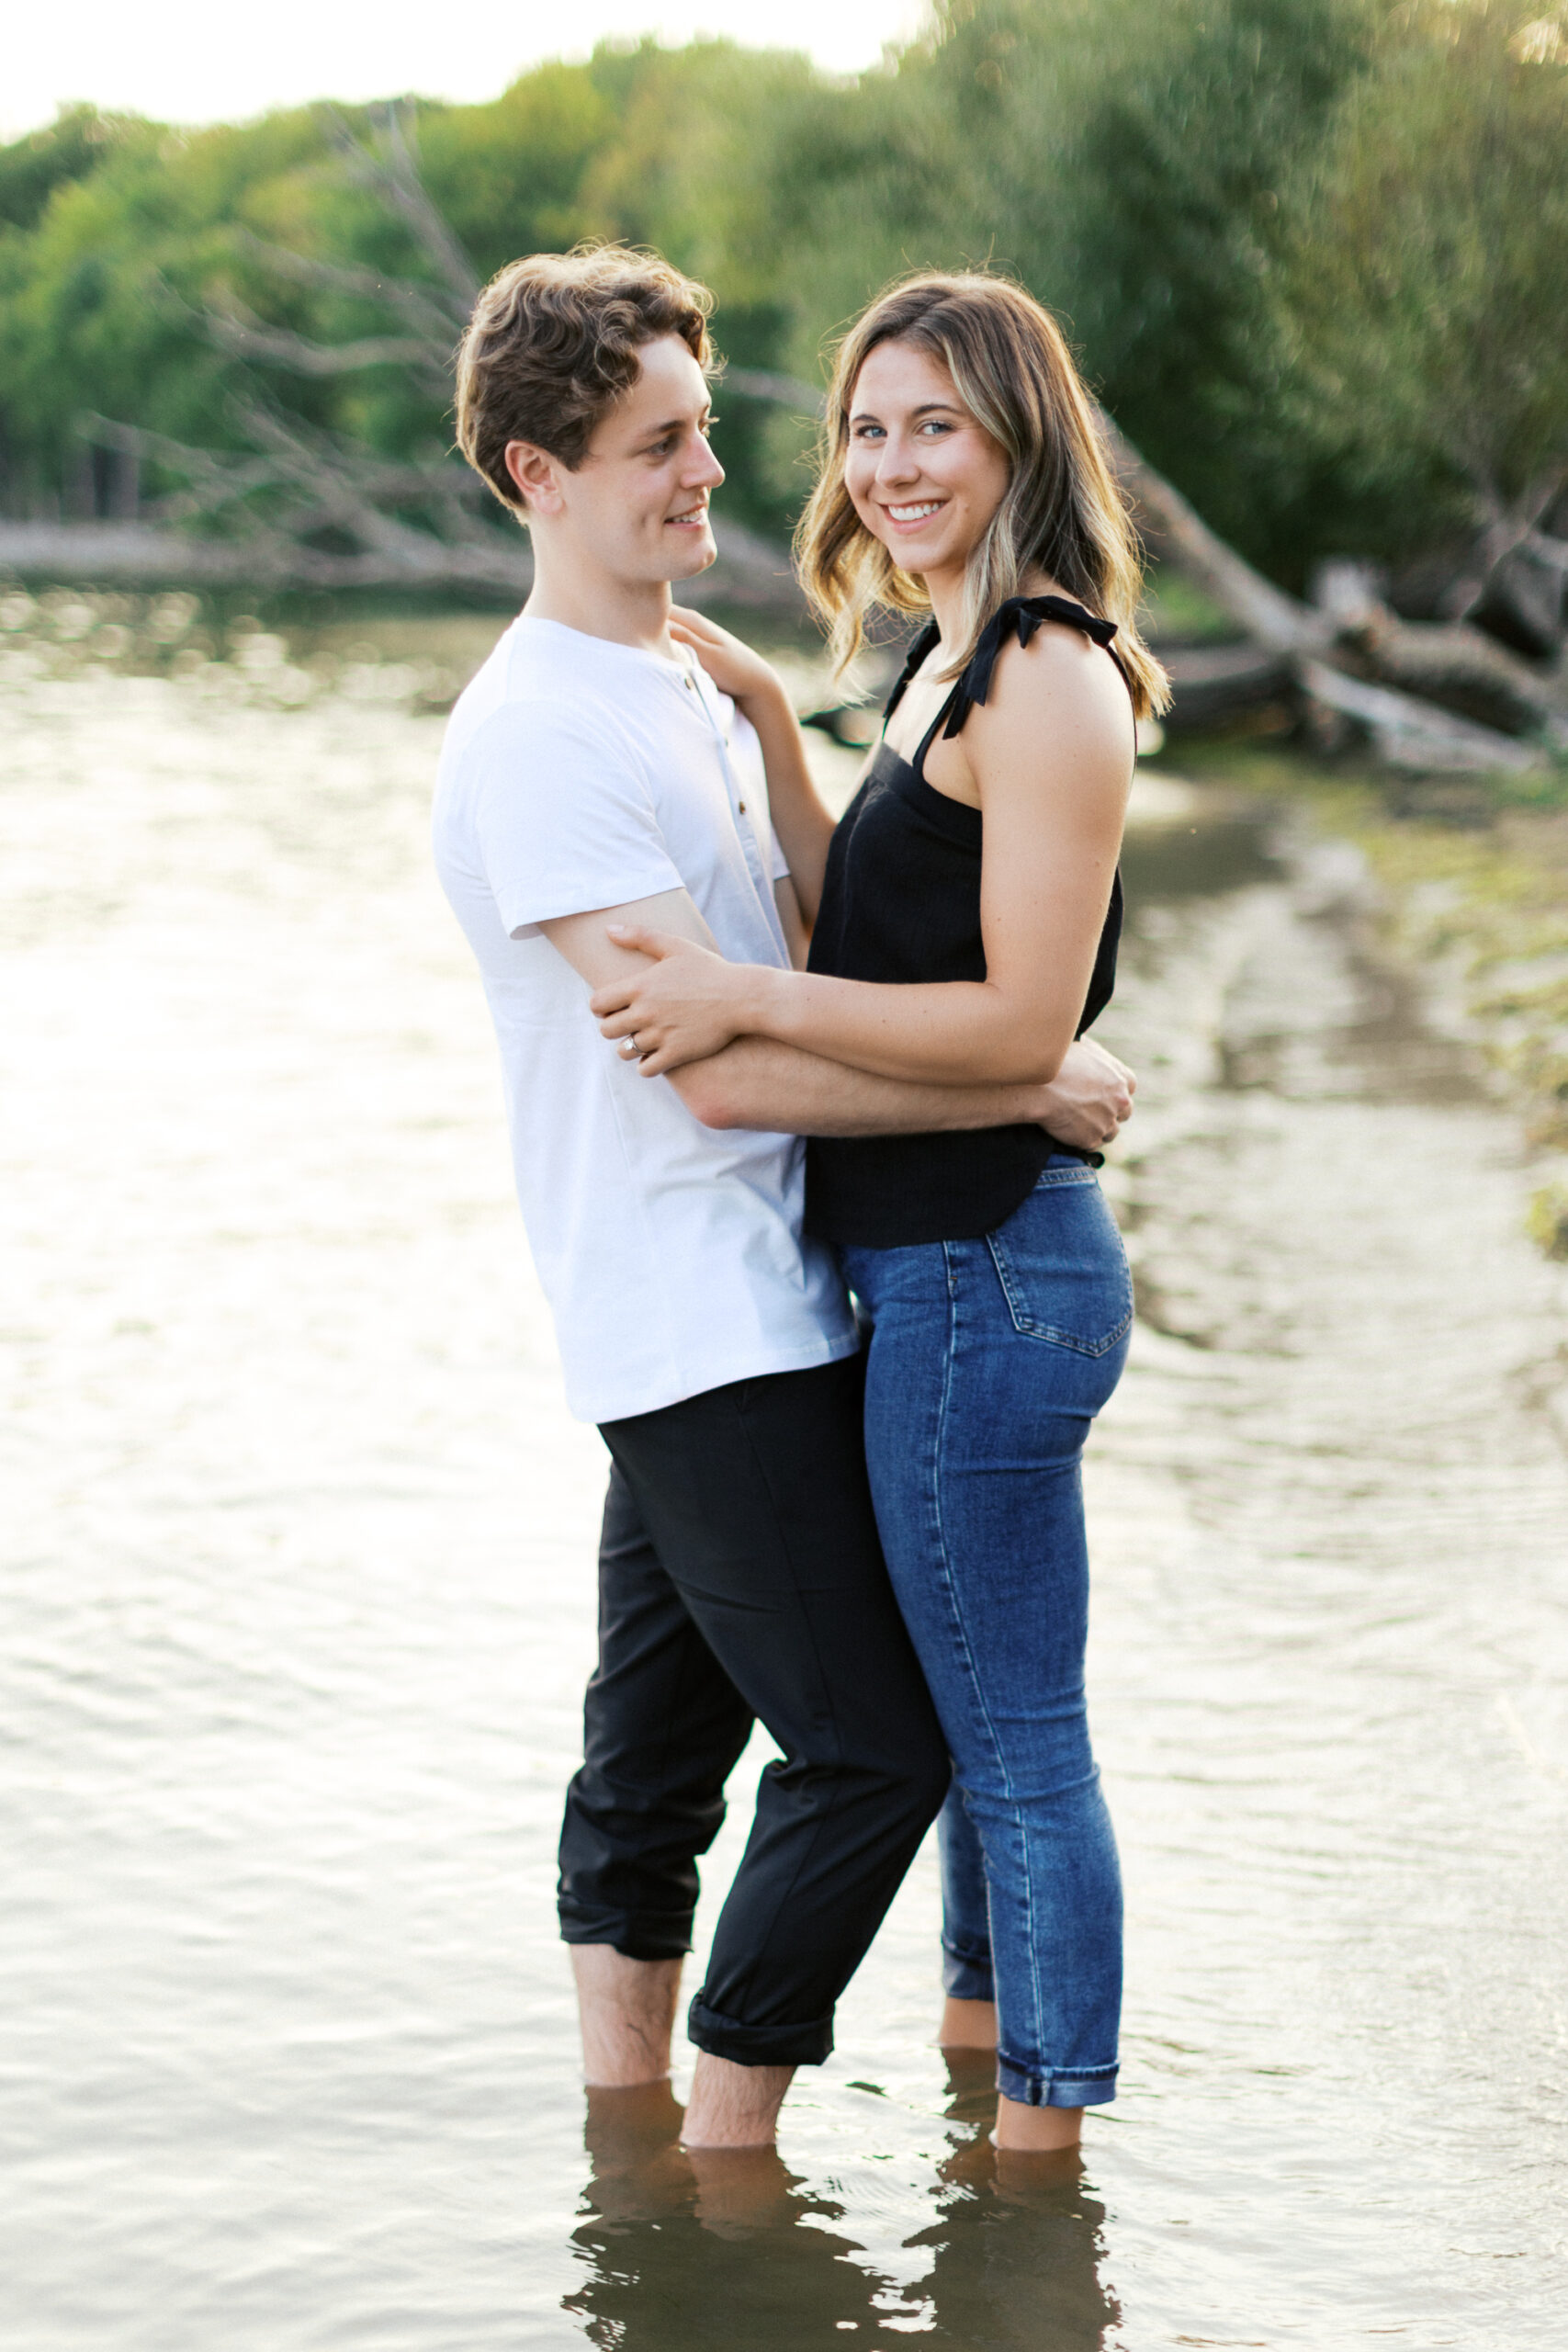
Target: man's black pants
x,y
741,1577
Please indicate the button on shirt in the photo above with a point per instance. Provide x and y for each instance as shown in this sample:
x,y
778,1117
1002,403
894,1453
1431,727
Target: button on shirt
x,y
579,773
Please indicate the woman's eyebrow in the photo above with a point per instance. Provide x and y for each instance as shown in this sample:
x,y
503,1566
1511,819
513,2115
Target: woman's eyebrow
x,y
926,408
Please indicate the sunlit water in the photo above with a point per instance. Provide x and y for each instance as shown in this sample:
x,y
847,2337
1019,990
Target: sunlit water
x,y
297,1605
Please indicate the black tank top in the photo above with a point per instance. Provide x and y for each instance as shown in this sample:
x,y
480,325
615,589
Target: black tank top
x,y
901,902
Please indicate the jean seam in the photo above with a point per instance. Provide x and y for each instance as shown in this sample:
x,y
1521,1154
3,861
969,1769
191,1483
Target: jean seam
x,y
971,1668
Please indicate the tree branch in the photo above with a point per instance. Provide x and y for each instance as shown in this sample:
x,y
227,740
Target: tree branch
x,y
429,310
388,167
240,330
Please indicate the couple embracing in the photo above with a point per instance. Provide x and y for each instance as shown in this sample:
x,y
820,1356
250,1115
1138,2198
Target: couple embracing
x,y
761,1069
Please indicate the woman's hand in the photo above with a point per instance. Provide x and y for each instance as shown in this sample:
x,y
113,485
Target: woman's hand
x,y
734,668
686,1005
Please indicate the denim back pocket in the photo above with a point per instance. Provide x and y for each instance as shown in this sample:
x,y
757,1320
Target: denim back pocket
x,y
1062,1267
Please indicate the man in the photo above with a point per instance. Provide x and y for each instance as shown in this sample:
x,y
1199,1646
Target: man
x,y
593,774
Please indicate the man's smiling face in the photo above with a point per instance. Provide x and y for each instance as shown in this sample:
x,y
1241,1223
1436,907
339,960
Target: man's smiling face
x,y
637,505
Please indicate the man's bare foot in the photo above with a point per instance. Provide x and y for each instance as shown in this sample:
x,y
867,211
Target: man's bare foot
x,y
622,2126
1022,2129
738,2188
734,2107
633,2137
967,2025
627,2007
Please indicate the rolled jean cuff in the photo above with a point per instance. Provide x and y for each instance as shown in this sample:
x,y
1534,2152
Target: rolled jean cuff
x,y
967,1976
637,1935
1085,2086
759,2045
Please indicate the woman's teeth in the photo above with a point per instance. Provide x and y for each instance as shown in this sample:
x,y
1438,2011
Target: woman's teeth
x,y
915,513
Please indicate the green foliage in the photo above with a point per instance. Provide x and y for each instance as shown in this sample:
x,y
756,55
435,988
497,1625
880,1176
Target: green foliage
x,y
1313,253
1426,288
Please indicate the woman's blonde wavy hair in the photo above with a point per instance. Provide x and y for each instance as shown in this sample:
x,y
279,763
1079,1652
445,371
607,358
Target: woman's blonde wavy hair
x,y
1063,514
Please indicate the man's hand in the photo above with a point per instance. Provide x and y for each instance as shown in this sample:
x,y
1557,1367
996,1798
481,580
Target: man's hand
x,y
1090,1100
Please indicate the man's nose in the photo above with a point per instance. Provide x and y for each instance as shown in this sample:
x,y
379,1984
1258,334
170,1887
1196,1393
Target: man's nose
x,y
704,472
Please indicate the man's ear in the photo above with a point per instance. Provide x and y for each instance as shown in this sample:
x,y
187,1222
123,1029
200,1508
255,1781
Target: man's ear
x,y
536,475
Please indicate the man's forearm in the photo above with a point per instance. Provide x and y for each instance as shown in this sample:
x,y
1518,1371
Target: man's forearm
x,y
756,1082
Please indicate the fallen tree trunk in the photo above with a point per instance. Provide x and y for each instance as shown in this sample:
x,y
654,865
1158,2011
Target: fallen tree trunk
x,y
1418,737
1268,614
750,572
1212,685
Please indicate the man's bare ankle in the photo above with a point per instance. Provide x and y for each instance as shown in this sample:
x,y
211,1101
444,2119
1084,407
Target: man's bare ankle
x,y
627,2008
734,2107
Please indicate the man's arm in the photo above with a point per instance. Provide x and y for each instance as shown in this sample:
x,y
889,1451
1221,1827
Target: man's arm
x,y
781,1089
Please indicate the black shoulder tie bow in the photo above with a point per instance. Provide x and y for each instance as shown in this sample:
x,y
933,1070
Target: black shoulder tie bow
x,y
1023,614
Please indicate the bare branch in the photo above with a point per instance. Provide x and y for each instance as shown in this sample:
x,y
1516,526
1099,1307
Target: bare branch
x,y
428,309
1507,529
388,167
238,330
1543,548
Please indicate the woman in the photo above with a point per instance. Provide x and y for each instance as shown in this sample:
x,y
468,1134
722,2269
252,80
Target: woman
x,y
965,917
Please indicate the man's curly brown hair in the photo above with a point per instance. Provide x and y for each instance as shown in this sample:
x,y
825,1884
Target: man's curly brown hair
x,y
553,344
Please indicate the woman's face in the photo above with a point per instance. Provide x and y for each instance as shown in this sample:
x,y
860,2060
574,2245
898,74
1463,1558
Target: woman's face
x,y
924,475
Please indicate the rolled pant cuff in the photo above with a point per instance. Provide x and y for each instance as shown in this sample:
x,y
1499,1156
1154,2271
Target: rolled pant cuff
x,y
759,2045
637,1934
1088,2086
965,1977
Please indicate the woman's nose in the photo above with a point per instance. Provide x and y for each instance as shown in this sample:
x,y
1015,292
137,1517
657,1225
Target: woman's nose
x,y
899,462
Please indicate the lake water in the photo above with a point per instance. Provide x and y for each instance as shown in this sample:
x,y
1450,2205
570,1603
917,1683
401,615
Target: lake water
x,y
297,1606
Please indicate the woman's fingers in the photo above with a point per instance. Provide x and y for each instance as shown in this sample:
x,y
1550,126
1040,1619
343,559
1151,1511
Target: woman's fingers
x,y
614,998
696,625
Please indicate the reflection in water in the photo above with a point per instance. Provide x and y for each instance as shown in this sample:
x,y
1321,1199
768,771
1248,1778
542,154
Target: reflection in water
x,y
710,2252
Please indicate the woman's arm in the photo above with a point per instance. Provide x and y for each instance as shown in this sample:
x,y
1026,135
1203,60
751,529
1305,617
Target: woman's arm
x,y
1050,756
757,1083
804,826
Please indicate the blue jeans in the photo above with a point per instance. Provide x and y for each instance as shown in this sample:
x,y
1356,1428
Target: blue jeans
x,y
988,1361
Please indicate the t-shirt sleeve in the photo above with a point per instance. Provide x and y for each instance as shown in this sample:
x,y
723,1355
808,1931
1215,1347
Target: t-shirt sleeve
x,y
563,818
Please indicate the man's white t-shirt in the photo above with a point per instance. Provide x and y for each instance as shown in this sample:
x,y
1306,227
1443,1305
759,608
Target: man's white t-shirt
x,y
579,773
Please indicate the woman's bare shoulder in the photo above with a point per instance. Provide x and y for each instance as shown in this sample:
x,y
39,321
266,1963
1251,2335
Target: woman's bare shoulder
x,y
1060,686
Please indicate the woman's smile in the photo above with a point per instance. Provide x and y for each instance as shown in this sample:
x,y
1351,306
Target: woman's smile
x,y
909,515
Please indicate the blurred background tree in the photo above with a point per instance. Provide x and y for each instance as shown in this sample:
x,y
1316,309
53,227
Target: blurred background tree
x,y
1312,253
